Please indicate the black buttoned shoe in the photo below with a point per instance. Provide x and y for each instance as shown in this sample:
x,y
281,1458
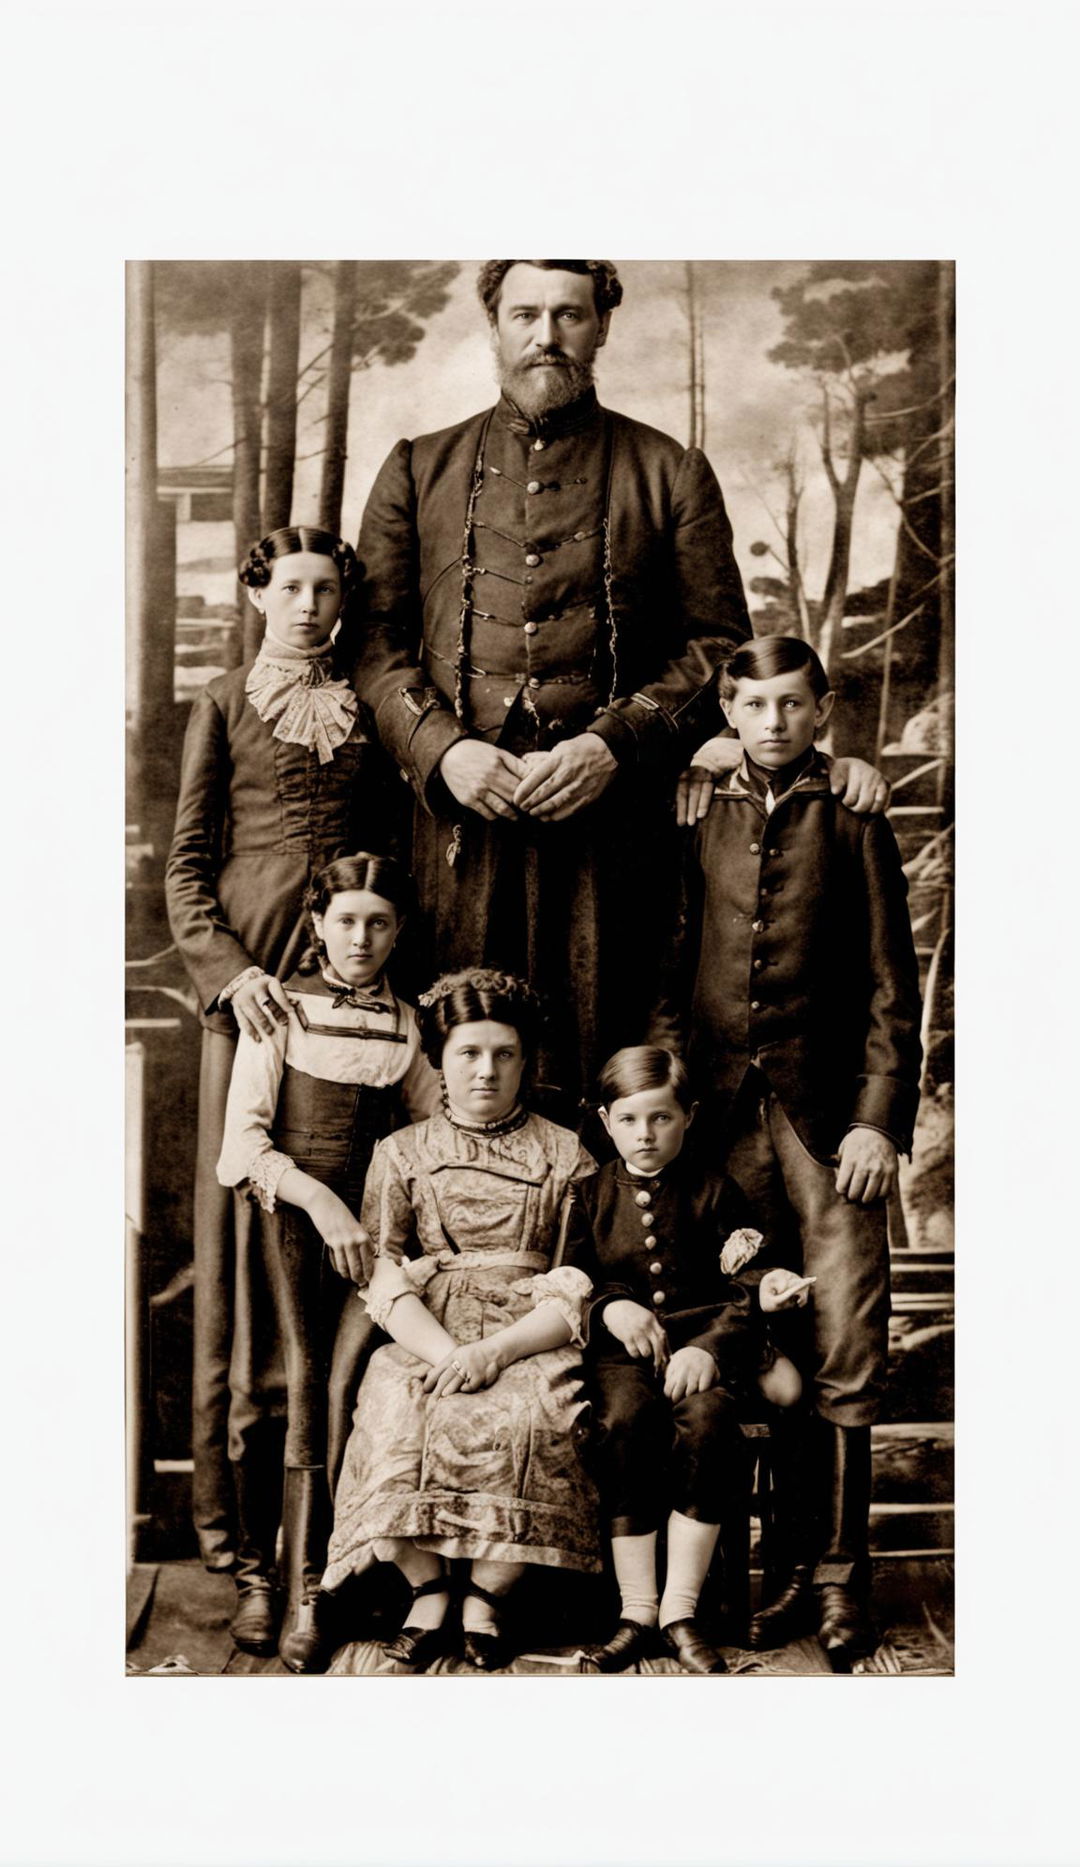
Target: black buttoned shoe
x,y
794,1612
486,1649
630,1642
845,1629
419,1646
691,1649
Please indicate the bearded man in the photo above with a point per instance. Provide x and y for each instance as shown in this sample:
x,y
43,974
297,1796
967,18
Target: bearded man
x,y
550,591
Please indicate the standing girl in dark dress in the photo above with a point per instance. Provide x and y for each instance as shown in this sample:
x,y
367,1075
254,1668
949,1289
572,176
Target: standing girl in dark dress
x,y
279,776
306,1106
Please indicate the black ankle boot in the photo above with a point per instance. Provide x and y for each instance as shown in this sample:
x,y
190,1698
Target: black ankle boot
x,y
258,1499
845,1630
791,1614
796,1531
842,1576
304,1644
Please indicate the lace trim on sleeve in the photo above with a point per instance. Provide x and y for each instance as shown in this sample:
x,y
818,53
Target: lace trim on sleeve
x,y
265,1173
228,992
567,1288
409,1278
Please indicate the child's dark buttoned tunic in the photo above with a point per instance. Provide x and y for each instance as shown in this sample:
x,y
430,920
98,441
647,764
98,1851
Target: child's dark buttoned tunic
x,y
657,1241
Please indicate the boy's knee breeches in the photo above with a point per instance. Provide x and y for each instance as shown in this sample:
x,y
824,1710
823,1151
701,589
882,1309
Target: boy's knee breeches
x,y
652,1455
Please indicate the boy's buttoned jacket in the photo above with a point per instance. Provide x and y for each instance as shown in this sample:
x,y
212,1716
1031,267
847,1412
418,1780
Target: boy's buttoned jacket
x,y
793,950
657,1241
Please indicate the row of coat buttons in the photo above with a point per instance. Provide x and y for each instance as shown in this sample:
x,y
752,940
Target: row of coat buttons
x,y
659,1297
755,850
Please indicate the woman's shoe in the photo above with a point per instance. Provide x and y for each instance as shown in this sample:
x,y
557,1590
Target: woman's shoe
x,y
487,1651
419,1646
630,1642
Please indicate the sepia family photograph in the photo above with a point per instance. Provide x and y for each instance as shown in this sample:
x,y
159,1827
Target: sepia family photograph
x,y
539,802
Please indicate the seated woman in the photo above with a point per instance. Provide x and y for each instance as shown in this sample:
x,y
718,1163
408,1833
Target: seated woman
x,y
465,1440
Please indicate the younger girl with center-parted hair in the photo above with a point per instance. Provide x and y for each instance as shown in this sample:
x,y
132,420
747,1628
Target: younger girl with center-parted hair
x,y
672,1345
306,1106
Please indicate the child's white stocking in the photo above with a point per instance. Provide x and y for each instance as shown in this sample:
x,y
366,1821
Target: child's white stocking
x,y
690,1548
634,1558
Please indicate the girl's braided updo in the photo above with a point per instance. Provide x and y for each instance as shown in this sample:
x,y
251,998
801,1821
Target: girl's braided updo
x,y
256,569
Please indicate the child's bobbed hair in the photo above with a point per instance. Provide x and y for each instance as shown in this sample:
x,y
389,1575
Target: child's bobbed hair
x,y
766,655
257,568
379,875
473,997
644,1066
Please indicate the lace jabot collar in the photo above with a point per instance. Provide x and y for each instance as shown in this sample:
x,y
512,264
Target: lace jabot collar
x,y
312,706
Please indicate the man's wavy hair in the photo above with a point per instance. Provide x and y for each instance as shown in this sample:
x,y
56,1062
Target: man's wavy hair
x,y
607,287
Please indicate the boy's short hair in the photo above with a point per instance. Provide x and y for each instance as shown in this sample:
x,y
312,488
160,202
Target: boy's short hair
x,y
766,655
644,1066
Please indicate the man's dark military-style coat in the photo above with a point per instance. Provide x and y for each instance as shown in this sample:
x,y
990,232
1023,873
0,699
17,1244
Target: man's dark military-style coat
x,y
526,581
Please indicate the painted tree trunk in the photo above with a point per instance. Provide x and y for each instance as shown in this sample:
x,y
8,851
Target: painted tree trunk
x,y
246,337
339,383
284,335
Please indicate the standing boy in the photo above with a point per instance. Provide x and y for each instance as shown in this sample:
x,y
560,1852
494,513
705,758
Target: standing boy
x,y
794,972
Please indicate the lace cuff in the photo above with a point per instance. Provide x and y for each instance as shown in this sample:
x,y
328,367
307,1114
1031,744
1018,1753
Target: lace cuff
x,y
567,1288
228,992
265,1173
409,1278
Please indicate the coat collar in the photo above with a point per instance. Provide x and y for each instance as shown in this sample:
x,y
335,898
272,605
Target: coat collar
x,y
552,426
813,781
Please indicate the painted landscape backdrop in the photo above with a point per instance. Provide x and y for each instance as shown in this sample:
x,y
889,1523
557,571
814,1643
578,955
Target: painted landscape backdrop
x,y
262,394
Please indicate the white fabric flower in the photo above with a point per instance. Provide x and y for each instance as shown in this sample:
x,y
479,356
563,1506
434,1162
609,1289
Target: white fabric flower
x,y
739,1248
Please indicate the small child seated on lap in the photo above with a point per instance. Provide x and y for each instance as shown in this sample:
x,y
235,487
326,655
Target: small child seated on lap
x,y
672,1341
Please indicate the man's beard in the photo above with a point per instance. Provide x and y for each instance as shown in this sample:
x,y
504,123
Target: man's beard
x,y
538,388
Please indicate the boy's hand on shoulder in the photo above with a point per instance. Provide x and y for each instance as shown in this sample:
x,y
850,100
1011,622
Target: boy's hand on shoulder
x,y
637,1329
860,786
691,1370
867,1169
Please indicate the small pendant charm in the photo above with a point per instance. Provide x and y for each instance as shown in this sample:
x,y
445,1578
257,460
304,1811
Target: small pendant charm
x,y
453,847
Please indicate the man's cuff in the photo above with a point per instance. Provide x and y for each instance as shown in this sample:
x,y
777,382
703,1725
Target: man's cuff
x,y
885,1103
632,727
434,736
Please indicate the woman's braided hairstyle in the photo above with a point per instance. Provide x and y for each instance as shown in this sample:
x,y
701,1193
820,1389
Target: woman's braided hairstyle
x,y
474,996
